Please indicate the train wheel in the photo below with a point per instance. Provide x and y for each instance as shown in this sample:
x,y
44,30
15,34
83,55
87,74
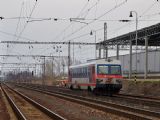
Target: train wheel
x,y
95,91
110,94
110,90
79,87
71,87
89,89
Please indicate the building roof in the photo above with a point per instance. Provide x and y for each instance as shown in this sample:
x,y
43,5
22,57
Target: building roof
x,y
152,32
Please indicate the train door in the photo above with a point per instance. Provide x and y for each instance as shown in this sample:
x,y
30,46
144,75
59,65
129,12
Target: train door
x,y
70,75
91,74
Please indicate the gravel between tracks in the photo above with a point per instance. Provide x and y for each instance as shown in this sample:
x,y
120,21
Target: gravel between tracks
x,y
117,100
70,110
4,115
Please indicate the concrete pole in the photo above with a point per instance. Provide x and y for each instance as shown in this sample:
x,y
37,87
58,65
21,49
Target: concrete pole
x,y
69,58
59,65
95,45
35,70
146,58
52,65
117,52
106,52
130,60
44,70
105,48
100,52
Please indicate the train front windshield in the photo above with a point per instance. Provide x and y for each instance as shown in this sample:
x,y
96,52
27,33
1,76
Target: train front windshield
x,y
109,69
115,70
103,69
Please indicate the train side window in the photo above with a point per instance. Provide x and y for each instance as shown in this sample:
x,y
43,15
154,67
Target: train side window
x,y
79,72
88,71
76,73
82,72
85,71
72,72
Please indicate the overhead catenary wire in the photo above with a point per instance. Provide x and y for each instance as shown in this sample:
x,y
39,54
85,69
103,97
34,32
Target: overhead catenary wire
x,y
100,20
140,16
151,15
11,34
144,13
83,9
19,18
71,23
27,20
28,17
148,9
140,20
96,19
18,23
89,9
25,38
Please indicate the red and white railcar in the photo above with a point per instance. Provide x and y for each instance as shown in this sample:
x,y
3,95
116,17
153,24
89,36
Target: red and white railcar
x,y
100,76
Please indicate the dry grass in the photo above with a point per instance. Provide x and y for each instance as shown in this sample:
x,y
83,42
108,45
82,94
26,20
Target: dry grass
x,y
47,80
144,87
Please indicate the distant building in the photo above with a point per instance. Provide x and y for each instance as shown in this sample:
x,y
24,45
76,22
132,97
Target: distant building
x,y
153,62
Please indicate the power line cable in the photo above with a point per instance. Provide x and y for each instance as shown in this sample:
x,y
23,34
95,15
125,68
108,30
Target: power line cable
x,y
149,8
27,20
101,20
17,26
76,17
19,18
151,15
126,25
10,34
83,8
96,19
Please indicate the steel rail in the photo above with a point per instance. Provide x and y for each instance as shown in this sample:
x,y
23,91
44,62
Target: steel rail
x,y
129,112
140,96
45,110
16,110
155,102
147,100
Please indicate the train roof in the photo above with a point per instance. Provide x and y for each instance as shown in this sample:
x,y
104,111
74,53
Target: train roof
x,y
101,61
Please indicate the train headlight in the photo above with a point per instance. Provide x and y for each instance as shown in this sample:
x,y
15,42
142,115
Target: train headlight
x,y
119,81
99,81
108,80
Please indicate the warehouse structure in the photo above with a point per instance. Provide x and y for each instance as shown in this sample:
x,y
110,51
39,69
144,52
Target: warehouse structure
x,y
146,37
153,63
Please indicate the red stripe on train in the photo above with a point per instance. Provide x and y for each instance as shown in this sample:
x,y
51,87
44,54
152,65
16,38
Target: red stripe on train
x,y
89,84
109,76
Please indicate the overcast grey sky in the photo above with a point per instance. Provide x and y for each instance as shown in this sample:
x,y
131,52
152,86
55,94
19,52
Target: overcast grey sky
x,y
50,30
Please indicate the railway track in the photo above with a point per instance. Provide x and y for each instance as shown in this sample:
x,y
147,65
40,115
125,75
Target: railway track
x,y
140,96
27,109
122,110
147,101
